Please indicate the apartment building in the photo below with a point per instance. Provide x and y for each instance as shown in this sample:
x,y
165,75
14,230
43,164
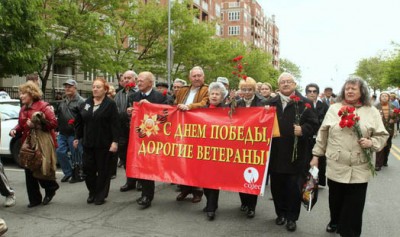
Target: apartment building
x,y
246,21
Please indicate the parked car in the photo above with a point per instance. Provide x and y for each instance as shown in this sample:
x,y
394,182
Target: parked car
x,y
9,110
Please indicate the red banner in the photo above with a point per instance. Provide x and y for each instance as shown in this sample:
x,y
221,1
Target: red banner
x,y
201,147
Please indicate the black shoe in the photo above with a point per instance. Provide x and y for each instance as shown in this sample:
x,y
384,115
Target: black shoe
x,y
90,199
126,187
291,226
378,168
99,202
211,215
144,201
250,213
280,220
47,199
30,205
65,178
243,208
139,186
182,195
386,165
331,228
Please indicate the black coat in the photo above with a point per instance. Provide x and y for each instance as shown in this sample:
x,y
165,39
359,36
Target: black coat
x,y
154,97
282,147
98,129
321,109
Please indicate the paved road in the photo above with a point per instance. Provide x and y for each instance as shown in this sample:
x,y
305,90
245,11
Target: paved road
x,y
69,215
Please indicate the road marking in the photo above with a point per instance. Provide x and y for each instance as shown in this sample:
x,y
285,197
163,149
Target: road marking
x,y
395,151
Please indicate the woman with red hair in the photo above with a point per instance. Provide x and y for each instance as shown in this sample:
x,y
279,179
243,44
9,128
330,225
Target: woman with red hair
x,y
97,125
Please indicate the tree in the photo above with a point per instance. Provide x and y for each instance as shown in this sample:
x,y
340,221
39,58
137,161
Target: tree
x,y
392,71
288,66
372,71
20,26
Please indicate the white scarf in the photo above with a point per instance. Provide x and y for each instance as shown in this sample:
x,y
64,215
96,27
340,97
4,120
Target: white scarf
x,y
284,99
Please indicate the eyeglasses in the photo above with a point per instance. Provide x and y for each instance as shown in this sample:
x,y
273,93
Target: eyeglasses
x,y
286,82
312,91
246,90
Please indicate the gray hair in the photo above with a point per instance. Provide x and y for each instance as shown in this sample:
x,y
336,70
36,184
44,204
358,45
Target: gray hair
x,y
196,68
133,73
183,82
356,80
286,75
218,86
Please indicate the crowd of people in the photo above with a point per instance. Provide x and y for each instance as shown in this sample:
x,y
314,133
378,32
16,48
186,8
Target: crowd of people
x,y
93,135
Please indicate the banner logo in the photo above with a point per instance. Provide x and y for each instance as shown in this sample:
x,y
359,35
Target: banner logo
x,y
251,176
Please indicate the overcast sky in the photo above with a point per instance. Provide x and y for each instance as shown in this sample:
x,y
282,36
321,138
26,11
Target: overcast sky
x,y
327,38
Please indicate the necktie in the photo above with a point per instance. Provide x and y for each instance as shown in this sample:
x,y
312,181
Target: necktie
x,y
143,95
327,101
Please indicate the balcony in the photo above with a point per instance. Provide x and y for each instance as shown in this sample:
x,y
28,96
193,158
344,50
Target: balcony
x,y
59,79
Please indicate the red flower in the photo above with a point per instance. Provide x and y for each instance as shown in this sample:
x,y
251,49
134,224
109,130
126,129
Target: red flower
x,y
295,98
71,122
307,105
244,77
234,73
350,109
164,92
238,58
130,85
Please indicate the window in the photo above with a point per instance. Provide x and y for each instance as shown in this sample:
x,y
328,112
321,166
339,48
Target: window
x,y
233,30
222,16
234,15
234,4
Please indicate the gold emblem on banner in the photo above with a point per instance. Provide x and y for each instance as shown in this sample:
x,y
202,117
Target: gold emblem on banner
x,y
149,125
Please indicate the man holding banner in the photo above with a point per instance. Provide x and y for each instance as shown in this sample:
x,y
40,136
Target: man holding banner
x,y
288,160
192,97
146,94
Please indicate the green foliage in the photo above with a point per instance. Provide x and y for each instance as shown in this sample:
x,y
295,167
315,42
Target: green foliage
x,y
288,66
372,70
20,27
392,71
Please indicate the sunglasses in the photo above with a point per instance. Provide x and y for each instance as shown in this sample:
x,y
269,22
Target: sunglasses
x,y
311,91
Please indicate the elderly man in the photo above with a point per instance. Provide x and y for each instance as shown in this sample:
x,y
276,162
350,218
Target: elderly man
x,y
177,85
67,113
328,98
286,169
121,99
191,97
146,94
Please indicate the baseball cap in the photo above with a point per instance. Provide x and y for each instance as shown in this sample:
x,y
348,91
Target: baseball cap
x,y
70,82
223,80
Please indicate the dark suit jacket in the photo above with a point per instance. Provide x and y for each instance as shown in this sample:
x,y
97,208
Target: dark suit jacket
x,y
282,147
154,97
321,109
98,129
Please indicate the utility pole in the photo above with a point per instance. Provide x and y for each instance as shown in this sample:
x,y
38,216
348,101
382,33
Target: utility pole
x,y
169,50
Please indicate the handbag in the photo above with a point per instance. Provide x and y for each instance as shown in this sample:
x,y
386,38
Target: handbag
x,y
30,156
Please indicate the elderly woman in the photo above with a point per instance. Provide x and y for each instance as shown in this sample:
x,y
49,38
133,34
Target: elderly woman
x,y
217,92
348,168
98,125
250,99
37,118
266,90
389,119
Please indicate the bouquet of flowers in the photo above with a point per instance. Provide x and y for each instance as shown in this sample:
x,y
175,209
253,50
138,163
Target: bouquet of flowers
x,y
297,118
350,120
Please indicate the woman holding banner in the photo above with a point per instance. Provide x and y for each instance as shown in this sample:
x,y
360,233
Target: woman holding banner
x,y
217,93
250,99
